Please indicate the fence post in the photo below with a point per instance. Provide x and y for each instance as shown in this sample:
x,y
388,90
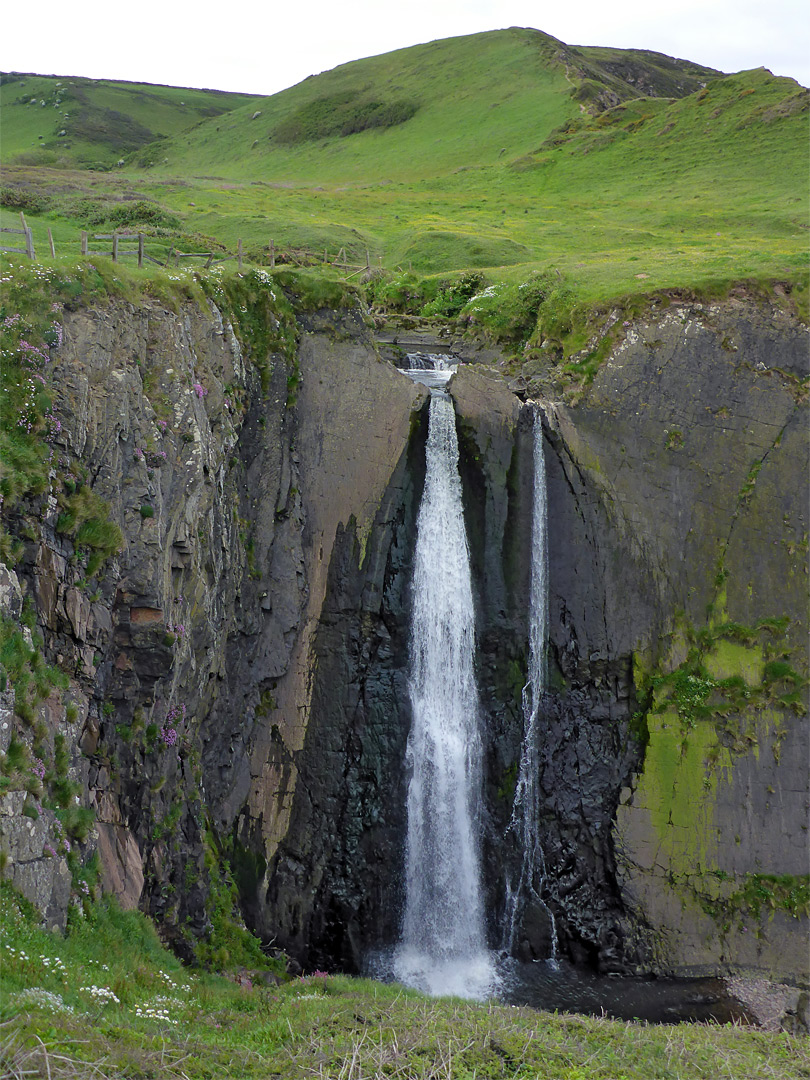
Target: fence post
x,y
272,253
368,264
239,251
50,241
28,237
84,242
115,247
140,250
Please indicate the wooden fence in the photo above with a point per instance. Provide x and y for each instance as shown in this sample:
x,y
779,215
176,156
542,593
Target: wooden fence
x,y
134,244
25,231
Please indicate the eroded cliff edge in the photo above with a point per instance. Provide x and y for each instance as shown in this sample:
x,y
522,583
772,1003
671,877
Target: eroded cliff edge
x,y
238,673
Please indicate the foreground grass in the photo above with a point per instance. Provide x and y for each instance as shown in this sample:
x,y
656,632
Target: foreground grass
x,y
107,1000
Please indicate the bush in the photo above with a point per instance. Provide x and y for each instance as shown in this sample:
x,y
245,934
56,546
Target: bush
x,y
341,115
23,198
405,293
453,295
117,215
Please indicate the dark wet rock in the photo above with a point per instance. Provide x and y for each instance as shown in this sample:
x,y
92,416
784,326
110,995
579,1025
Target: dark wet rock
x,y
261,615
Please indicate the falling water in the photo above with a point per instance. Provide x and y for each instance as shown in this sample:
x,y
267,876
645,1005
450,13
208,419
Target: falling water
x,y
526,807
433,370
443,948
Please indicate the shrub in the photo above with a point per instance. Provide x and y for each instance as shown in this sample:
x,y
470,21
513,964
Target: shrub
x,y
24,198
453,295
341,115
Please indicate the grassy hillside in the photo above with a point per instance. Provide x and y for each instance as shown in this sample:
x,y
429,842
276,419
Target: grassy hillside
x,y
507,153
94,122
474,101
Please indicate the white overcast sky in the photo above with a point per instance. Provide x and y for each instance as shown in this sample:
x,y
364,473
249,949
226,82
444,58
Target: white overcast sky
x,y
265,47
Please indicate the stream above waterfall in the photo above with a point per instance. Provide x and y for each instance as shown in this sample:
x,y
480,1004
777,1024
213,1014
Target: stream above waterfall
x,y
433,370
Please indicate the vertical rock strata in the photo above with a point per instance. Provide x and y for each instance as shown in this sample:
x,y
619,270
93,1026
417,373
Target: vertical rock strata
x,y
678,497
238,673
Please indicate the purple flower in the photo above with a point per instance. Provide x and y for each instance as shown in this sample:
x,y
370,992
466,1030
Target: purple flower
x,y
199,390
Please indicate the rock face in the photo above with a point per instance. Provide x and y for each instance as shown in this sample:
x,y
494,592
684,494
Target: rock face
x,y
678,501
238,673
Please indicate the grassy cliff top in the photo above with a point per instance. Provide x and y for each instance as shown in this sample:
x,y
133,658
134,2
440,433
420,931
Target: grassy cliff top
x,y
506,153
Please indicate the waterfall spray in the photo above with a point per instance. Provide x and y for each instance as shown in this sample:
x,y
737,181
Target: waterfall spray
x,y
524,823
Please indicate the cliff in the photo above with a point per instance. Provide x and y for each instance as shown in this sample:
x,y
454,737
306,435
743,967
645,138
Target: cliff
x,y
228,691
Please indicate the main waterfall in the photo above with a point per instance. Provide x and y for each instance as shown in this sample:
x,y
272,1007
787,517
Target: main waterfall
x,y
443,945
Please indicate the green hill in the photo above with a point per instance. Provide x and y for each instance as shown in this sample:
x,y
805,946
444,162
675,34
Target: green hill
x,y
48,120
505,152
455,103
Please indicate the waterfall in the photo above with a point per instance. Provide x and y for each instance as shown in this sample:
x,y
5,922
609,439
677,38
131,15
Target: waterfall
x,y
526,807
443,947
433,370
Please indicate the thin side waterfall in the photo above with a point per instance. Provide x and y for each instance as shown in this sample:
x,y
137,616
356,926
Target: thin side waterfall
x,y
443,946
526,807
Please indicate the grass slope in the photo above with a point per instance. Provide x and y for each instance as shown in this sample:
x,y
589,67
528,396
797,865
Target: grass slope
x,y
107,1001
478,98
506,152
94,122
475,96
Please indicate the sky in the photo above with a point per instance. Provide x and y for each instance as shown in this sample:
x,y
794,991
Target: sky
x,y
265,47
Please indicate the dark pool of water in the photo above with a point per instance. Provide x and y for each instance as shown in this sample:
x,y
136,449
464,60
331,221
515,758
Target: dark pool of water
x,y
657,1000
564,988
